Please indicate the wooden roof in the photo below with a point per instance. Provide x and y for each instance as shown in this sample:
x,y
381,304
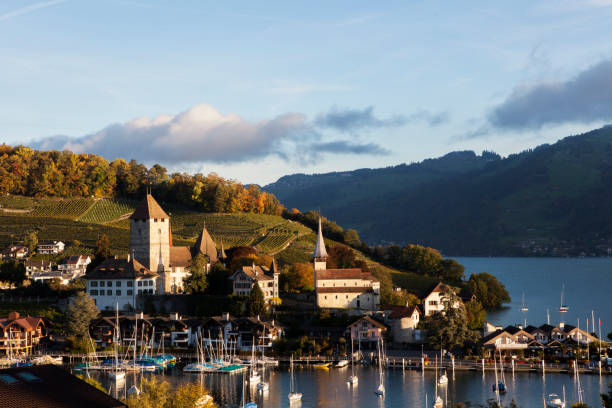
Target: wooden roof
x,y
180,256
206,246
148,209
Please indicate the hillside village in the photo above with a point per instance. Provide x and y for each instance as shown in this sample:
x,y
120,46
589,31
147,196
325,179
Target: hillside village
x,y
186,293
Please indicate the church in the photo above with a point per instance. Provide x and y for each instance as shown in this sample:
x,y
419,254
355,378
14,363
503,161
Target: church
x,y
342,288
153,266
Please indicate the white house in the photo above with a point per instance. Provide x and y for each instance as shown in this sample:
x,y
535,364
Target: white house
x,y
404,322
37,267
434,301
342,288
117,281
245,278
50,247
14,252
75,265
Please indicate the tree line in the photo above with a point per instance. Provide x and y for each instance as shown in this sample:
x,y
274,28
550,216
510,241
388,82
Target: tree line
x,y
36,173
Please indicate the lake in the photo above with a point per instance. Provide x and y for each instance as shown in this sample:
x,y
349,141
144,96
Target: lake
x,y
587,288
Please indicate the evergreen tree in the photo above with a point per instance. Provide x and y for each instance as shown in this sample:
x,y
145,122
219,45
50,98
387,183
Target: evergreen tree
x,y
256,304
12,272
197,281
80,312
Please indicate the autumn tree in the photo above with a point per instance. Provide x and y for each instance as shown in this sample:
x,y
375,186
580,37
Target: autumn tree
x,y
197,282
476,315
298,277
340,257
31,241
103,247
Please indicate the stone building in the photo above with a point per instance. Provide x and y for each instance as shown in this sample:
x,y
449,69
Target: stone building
x,y
246,277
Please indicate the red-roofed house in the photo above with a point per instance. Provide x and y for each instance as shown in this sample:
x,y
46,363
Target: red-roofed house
x,y
246,277
20,334
404,322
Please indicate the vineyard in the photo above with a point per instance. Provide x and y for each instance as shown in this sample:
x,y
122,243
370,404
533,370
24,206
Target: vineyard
x,y
61,208
106,210
17,203
276,239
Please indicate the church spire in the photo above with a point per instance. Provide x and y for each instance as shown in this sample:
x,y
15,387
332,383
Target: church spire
x,y
320,252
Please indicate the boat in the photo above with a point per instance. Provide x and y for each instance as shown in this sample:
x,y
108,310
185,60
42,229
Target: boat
x,y
438,402
254,376
243,403
524,308
443,380
133,390
353,379
380,390
117,372
262,385
500,385
293,395
322,365
563,308
554,401
342,363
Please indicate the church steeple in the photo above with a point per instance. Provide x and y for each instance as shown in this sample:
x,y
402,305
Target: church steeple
x,y
320,252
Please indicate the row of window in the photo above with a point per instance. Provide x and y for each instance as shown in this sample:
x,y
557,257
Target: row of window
x,y
95,284
347,296
101,292
360,283
154,220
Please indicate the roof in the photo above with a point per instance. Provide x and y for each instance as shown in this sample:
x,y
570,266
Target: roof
x,y
320,251
353,273
254,272
206,246
120,269
494,335
399,312
371,321
51,243
74,259
47,386
28,323
180,256
222,252
38,264
148,209
14,248
345,289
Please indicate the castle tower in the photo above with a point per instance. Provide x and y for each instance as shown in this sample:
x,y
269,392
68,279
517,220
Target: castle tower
x,y
150,235
319,255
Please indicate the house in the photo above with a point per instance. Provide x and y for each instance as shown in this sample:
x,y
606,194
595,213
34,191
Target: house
x,y
502,340
63,278
21,334
241,332
48,386
50,247
578,335
367,331
434,301
342,288
245,278
37,267
404,322
14,252
118,282
75,265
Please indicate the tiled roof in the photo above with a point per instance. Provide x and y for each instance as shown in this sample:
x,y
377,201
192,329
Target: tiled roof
x,y
48,386
398,312
345,289
120,269
353,273
148,209
38,264
180,256
255,272
371,321
28,323
206,246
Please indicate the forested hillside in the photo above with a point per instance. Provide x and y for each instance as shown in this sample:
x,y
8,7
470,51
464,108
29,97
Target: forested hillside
x,y
33,173
552,200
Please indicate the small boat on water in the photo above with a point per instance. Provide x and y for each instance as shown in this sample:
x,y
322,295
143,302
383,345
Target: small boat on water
x,y
443,380
380,390
342,363
353,379
554,401
438,402
293,395
322,365
262,385
254,376
563,308
524,307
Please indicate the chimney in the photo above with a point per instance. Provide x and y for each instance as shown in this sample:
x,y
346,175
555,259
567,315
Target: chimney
x,y
561,325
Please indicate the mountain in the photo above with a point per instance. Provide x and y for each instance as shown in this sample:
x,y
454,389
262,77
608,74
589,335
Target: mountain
x,y
552,200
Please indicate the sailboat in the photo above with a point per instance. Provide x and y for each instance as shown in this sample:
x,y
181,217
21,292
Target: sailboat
x,y
254,376
499,387
381,376
443,380
438,402
524,308
245,404
117,373
554,401
263,385
293,395
353,379
563,308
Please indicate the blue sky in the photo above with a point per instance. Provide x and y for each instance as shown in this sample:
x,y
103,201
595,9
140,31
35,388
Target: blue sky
x,y
257,90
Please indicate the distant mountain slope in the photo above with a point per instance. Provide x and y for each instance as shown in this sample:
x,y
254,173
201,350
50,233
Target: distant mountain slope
x,y
552,200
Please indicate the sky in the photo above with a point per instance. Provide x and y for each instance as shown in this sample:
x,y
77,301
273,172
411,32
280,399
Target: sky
x,y
257,90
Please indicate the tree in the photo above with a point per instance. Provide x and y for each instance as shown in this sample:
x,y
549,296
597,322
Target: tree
x,y
449,328
488,290
351,237
31,241
476,315
79,313
103,246
256,304
160,394
197,281
451,270
420,259
218,280
299,277
13,272
340,257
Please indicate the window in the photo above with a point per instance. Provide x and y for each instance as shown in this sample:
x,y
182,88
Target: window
x,y
130,292
139,283
102,283
433,303
117,293
93,284
93,292
109,283
109,292
140,291
154,219
325,297
163,220
130,284
118,284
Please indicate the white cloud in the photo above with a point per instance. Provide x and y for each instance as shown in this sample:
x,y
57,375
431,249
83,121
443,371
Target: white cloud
x,y
30,9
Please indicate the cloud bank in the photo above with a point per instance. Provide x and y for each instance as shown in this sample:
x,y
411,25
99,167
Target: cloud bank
x,y
585,98
203,134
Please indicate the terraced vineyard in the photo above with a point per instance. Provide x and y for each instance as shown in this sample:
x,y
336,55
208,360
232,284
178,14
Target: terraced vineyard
x,y
106,210
276,239
17,203
61,208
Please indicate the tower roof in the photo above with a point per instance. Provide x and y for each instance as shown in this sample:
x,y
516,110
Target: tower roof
x,y
320,251
206,246
222,252
147,209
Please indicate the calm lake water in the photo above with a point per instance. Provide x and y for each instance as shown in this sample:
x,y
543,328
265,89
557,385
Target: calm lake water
x,y
587,288
328,388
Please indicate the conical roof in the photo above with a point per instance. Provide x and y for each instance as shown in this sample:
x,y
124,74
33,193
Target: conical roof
x,y
320,251
148,209
222,252
206,246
